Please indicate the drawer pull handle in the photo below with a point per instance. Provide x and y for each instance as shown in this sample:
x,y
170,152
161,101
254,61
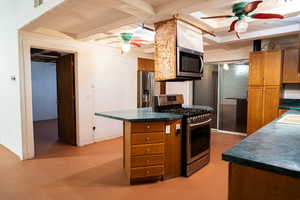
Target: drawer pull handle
x,y
148,161
147,139
148,172
147,149
148,126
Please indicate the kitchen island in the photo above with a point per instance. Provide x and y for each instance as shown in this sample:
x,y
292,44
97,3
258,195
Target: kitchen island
x,y
151,144
266,165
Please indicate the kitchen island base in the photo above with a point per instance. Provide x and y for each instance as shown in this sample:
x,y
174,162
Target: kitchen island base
x,y
247,183
152,150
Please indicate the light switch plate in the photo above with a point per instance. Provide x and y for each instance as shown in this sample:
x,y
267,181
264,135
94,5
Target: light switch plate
x,y
168,129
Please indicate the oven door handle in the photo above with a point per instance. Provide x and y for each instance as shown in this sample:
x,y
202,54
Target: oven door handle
x,y
201,123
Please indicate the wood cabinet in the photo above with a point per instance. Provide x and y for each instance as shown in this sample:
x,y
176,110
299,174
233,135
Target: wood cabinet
x,y
281,112
264,88
145,64
271,103
255,105
169,35
165,50
263,103
256,69
247,183
149,152
265,68
291,66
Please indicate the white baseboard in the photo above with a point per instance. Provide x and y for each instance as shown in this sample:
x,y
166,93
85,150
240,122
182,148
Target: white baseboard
x,y
107,138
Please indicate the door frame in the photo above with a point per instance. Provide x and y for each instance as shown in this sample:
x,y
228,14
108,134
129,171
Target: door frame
x,y
25,44
219,63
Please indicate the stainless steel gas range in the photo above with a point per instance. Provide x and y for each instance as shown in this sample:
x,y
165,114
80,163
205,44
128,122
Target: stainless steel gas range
x,y
196,131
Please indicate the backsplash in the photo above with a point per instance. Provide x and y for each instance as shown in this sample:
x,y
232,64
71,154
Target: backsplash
x,y
291,91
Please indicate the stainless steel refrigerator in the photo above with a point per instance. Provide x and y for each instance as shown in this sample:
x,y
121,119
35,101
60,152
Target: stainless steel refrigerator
x,y
146,85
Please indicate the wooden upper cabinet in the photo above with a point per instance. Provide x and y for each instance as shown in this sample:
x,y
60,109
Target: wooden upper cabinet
x,y
272,67
165,50
145,64
256,69
291,66
265,68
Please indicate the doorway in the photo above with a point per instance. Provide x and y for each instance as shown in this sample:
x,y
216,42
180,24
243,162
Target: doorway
x,y
53,100
224,87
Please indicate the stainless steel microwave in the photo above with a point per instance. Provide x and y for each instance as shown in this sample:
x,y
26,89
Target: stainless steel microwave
x,y
190,63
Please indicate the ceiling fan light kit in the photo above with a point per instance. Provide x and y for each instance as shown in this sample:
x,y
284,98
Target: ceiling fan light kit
x,y
132,38
242,11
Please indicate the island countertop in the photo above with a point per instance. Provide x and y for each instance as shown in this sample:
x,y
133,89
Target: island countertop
x,y
274,148
139,115
145,114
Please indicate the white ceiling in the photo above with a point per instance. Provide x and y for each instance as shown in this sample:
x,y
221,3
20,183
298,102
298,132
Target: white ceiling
x,y
102,20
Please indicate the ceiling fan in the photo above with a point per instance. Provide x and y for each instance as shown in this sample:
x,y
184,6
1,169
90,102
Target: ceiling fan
x,y
134,38
242,10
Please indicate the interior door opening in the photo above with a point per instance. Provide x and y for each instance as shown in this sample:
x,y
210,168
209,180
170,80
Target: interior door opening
x,y
53,101
224,87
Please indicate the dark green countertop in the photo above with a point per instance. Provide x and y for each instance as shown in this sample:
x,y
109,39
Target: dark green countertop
x,y
290,104
274,148
139,115
145,114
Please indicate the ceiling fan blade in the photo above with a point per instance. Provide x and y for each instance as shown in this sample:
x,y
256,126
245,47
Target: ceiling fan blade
x,y
251,6
266,16
135,44
139,41
233,25
217,17
238,35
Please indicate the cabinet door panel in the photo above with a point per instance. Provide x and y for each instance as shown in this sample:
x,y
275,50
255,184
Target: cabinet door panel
x,y
256,70
272,68
271,103
290,66
255,108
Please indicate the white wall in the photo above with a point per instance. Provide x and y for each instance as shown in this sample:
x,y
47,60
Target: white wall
x,y
228,53
44,91
10,119
106,80
26,12
185,88
13,15
291,91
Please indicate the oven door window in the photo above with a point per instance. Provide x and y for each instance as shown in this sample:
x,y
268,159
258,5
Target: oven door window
x,y
190,63
199,140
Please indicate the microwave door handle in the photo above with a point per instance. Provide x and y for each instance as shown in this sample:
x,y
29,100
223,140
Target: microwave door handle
x,y
202,64
200,124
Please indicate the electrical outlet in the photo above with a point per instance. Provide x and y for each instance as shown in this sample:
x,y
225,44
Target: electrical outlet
x,y
168,129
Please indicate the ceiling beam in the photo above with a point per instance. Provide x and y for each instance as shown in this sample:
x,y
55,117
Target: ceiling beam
x,y
138,8
94,33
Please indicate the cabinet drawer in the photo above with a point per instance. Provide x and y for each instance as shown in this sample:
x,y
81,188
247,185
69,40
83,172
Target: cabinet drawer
x,y
147,138
143,161
142,172
147,149
145,127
